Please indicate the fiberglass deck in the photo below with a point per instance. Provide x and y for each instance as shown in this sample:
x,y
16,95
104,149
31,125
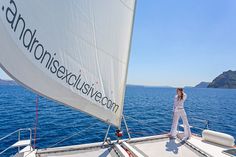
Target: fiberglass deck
x,y
148,146
151,146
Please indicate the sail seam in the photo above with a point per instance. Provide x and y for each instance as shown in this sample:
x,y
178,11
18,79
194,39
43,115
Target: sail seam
x,y
102,50
126,5
96,50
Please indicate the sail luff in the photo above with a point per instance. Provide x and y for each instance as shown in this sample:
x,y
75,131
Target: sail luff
x,y
128,59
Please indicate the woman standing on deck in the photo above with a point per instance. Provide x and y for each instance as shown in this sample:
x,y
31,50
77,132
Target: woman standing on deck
x,y
178,111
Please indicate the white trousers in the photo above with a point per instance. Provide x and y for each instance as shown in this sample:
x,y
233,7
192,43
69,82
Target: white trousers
x,y
177,114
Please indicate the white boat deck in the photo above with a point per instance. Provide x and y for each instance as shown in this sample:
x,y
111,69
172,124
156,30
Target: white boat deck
x,y
102,152
151,146
147,146
166,148
84,150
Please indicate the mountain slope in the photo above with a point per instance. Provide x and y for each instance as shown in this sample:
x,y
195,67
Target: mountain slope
x,y
225,80
202,85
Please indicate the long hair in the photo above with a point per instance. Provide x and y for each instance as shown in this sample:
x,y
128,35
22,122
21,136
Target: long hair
x,y
181,97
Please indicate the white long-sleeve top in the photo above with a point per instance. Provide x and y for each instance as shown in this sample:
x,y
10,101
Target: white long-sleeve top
x,y
179,104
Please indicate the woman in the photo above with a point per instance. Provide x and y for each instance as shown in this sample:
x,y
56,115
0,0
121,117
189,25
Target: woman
x,y
178,111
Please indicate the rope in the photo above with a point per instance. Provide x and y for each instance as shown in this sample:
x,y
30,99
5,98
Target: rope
x,y
36,121
77,133
143,123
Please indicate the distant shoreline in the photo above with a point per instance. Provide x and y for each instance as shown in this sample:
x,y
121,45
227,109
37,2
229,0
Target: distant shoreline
x,y
8,82
14,83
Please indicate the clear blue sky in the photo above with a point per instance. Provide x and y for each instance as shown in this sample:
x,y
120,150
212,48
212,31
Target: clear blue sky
x,y
180,43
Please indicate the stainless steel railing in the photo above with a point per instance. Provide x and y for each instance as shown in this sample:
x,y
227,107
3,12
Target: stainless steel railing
x,y
167,128
19,133
204,121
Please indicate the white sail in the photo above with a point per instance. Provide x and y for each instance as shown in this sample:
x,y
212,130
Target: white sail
x,y
73,51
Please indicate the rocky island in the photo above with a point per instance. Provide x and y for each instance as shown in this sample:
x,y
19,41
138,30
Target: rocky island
x,y
225,80
202,85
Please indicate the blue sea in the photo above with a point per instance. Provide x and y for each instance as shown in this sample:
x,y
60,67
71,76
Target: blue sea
x,y
147,110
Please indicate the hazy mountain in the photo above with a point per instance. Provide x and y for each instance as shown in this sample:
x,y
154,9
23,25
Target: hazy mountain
x,y
188,86
202,85
225,80
7,82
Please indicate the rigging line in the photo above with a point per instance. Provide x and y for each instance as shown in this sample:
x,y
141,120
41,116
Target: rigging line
x,y
62,127
142,122
210,121
47,135
77,133
36,121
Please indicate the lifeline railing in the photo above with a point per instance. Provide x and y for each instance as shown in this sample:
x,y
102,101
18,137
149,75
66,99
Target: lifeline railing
x,y
204,121
161,129
196,119
142,122
16,144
